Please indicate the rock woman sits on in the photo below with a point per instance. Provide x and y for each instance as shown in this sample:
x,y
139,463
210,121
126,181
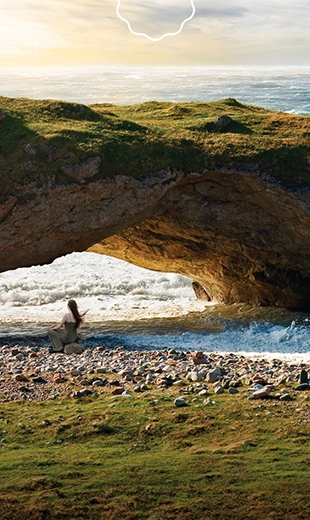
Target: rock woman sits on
x,y
71,322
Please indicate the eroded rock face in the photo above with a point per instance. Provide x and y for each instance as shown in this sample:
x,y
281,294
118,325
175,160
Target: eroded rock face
x,y
243,237
57,220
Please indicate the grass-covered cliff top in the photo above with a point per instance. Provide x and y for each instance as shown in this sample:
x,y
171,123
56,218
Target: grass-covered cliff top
x,y
145,459
140,139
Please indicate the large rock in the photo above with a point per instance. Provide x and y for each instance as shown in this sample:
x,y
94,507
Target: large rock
x,y
213,375
243,237
222,121
73,348
262,393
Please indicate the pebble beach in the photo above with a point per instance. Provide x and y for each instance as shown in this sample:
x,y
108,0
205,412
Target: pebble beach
x,y
30,373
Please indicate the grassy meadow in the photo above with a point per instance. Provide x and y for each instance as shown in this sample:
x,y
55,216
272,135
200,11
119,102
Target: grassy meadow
x,y
143,458
138,140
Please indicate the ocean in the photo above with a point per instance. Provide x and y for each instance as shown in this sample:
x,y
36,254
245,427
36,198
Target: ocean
x,y
127,305
277,88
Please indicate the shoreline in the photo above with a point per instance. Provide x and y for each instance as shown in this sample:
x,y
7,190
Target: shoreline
x,y
32,373
113,340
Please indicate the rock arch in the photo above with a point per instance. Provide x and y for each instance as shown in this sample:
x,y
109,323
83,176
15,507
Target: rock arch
x,y
241,235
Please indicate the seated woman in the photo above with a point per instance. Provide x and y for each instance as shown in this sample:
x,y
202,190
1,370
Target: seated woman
x,y
71,320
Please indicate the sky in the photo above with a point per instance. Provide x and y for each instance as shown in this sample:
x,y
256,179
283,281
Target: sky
x,y
88,32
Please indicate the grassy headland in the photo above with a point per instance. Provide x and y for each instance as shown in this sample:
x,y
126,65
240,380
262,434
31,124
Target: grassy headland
x,y
137,140
142,458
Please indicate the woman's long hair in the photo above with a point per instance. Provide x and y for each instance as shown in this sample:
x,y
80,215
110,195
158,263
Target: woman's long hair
x,y
74,309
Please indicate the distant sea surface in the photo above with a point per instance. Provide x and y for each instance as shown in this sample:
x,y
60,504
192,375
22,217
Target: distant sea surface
x,y
126,304
280,88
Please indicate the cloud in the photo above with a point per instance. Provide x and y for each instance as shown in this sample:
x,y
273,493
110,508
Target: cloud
x,y
222,31
221,13
185,18
150,13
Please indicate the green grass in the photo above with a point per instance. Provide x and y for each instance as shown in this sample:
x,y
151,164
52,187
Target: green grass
x,y
138,140
143,458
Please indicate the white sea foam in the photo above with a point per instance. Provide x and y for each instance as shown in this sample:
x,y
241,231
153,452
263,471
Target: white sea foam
x,y
260,340
110,288
142,308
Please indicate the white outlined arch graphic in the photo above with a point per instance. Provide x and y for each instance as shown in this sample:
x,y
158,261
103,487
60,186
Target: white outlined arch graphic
x,y
146,35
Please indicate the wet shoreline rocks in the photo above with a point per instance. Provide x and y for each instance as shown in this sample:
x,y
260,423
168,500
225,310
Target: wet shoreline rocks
x,y
36,374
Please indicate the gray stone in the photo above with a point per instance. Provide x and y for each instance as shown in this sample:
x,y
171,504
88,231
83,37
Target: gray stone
x,y
179,382
50,368
303,386
82,393
256,387
218,389
73,348
84,382
180,401
127,378
303,378
38,379
208,402
30,150
233,390
126,372
213,376
285,397
262,393
99,382
126,394
195,376
222,121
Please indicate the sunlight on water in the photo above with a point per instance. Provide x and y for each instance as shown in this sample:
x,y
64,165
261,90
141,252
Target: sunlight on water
x,y
277,88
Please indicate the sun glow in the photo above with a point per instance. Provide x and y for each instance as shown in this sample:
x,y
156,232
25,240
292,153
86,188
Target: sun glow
x,y
21,37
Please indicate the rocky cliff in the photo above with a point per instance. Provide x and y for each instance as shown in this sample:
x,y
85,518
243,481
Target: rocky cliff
x,y
243,238
238,223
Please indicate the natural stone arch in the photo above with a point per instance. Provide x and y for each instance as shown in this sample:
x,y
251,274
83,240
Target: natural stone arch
x,y
210,212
